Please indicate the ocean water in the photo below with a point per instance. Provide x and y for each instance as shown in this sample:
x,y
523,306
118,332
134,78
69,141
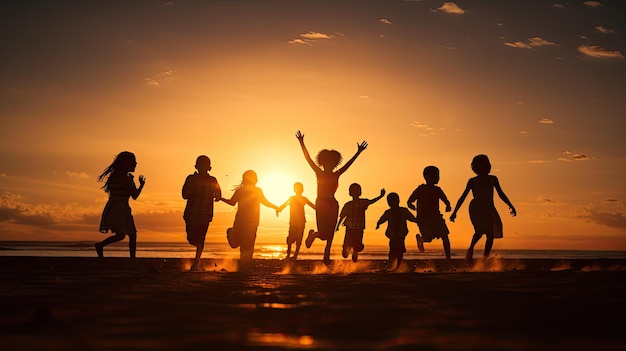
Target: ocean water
x,y
220,250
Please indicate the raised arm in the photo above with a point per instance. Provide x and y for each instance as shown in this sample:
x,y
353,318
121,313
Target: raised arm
x,y
300,137
504,197
360,147
382,193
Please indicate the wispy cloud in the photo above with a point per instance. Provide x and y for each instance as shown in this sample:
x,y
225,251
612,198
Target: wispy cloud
x,y
425,129
538,161
559,6
598,52
592,3
310,38
450,7
385,21
609,219
546,121
569,156
605,30
81,175
159,79
531,43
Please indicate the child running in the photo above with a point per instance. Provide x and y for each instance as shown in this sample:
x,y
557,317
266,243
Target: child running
x,y
326,206
248,198
482,210
353,212
200,190
396,218
117,215
297,219
425,202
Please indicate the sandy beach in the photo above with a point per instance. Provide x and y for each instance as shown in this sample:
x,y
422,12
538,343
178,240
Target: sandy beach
x,y
106,304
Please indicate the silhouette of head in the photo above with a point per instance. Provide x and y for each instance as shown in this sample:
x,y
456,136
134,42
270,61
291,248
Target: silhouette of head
x,y
354,190
481,164
249,178
125,161
329,159
298,188
431,175
393,200
203,164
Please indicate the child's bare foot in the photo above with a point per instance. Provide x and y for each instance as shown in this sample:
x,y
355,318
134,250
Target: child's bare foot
x,y
310,238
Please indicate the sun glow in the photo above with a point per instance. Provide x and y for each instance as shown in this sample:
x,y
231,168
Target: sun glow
x,y
277,186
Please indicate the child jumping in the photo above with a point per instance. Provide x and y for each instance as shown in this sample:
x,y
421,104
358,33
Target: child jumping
x,y
326,206
297,219
482,210
397,229
425,202
353,212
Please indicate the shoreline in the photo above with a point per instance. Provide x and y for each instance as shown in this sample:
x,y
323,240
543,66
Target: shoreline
x,y
58,303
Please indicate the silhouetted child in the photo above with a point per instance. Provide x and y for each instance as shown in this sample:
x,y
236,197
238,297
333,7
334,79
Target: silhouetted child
x,y
425,201
117,215
353,212
326,206
200,190
482,210
297,219
248,198
397,229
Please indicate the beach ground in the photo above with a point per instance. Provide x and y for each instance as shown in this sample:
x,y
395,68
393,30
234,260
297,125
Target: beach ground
x,y
105,304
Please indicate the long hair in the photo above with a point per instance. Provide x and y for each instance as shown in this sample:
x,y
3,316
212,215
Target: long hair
x,y
121,163
249,178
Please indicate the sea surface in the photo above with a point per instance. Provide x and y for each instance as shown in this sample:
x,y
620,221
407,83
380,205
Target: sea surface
x,y
220,250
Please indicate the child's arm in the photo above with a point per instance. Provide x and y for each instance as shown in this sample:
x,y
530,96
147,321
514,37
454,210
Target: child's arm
x,y
360,147
137,191
341,218
412,199
460,201
282,207
382,193
381,220
300,137
308,202
409,216
445,200
504,197
186,191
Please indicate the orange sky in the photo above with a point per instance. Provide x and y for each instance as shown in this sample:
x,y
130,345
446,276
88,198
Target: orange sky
x,y
539,87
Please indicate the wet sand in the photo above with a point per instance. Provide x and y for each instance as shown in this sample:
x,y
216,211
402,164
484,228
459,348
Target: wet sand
x,y
499,304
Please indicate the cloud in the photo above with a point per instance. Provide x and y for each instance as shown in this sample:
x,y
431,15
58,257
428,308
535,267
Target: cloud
x,y
571,157
427,130
523,132
385,21
531,43
604,30
546,121
310,38
451,7
592,3
580,157
158,79
560,6
81,175
609,219
544,200
598,52
538,161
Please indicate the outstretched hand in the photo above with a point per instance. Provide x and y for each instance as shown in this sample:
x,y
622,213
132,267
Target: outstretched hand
x,y
452,216
382,192
142,179
300,136
512,211
362,146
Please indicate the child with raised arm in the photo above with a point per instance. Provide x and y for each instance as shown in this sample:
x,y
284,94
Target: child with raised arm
x,y
297,219
397,229
326,206
200,190
117,216
425,202
248,198
353,212
482,210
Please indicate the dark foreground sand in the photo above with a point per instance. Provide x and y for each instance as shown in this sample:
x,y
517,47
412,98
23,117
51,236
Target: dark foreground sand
x,y
106,304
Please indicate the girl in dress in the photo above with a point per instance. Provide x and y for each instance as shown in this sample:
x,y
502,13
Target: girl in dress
x,y
117,216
